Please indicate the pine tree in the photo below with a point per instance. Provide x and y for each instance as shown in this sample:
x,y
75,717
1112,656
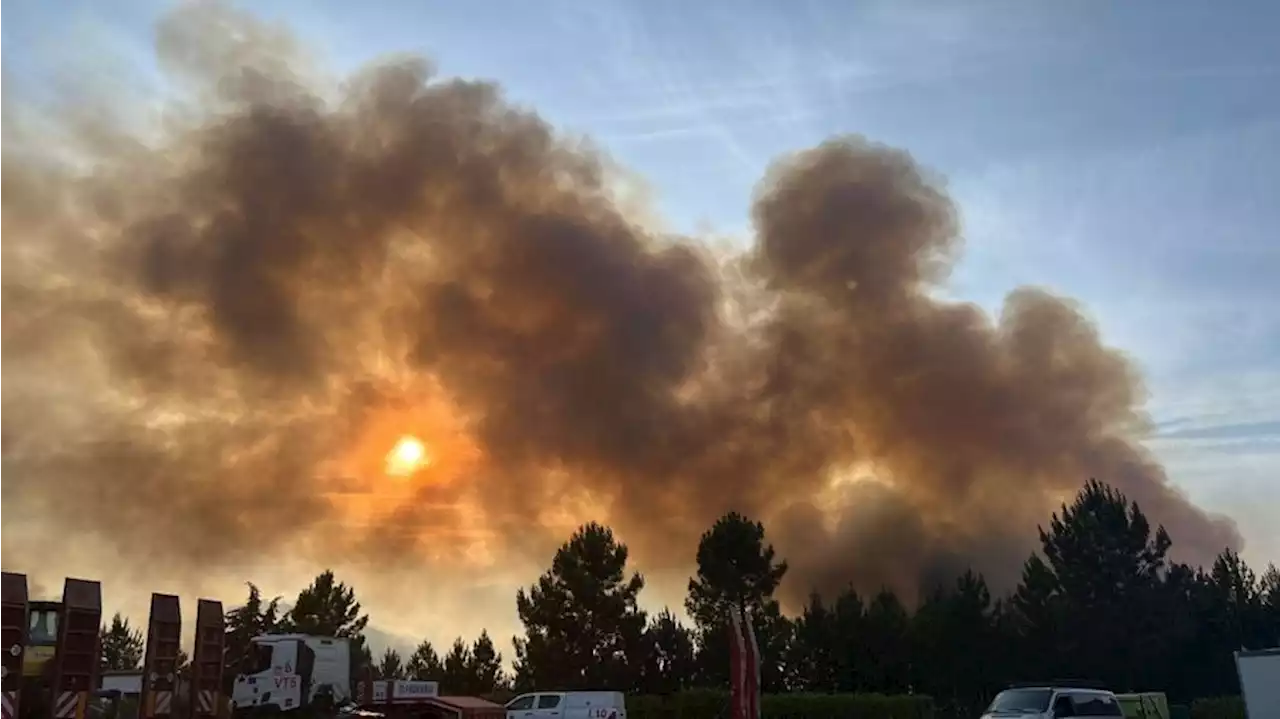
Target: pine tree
x,y
121,646
390,666
424,664
458,675
251,619
737,568
486,666
582,622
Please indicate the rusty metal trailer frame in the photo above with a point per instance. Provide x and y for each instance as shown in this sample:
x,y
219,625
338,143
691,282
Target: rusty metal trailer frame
x,y
77,656
160,664
75,663
13,639
207,658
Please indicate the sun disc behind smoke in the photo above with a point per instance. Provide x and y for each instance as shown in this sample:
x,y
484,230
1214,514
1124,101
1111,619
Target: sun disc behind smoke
x,y
407,456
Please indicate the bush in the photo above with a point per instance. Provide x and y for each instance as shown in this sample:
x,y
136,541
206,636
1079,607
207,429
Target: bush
x,y
1218,708
711,704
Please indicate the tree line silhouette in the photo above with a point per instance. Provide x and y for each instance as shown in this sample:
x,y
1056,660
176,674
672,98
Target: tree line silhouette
x,y
1100,599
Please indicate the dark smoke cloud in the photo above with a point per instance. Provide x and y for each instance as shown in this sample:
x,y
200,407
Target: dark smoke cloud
x,y
202,324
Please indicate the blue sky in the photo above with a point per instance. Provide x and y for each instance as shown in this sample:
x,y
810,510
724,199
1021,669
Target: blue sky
x,y
1124,153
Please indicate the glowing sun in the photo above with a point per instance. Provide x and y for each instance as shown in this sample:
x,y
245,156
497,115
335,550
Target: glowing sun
x,y
407,456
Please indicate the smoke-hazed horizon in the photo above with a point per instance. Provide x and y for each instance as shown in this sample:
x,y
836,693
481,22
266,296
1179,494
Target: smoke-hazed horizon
x,y
213,335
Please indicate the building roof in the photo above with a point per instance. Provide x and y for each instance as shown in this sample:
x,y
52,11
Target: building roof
x,y
468,702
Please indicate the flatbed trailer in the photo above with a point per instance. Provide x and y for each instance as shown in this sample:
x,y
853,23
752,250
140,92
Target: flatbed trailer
x,y
51,655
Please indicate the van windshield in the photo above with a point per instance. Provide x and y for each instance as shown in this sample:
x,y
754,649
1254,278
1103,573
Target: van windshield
x,y
1021,701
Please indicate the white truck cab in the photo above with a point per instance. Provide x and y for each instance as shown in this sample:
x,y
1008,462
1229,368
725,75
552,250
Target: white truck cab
x,y
288,671
1259,672
568,705
1053,702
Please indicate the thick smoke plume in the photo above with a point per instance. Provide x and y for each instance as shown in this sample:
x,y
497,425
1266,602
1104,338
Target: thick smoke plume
x,y
215,330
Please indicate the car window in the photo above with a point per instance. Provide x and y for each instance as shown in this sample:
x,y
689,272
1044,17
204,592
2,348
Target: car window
x,y
524,702
548,701
1097,705
1063,706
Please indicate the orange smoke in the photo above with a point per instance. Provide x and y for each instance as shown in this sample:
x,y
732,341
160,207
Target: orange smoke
x,y
237,319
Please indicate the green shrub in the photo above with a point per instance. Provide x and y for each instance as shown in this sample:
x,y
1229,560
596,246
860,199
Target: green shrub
x,y
713,704
1218,708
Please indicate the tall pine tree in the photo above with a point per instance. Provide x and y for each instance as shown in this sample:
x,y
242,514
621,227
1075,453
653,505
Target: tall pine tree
x,y
424,664
121,646
328,608
737,568
253,618
582,622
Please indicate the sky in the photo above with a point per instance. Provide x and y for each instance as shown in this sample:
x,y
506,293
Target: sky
x,y
1124,154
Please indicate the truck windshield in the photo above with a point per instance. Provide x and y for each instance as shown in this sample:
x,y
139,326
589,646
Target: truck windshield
x,y
259,659
1021,701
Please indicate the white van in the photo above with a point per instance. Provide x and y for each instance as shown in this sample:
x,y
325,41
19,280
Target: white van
x,y
1052,702
568,705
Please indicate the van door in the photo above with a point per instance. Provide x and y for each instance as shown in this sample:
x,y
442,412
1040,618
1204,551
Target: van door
x,y
593,705
549,706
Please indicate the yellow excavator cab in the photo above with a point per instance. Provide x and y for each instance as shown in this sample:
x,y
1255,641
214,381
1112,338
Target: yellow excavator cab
x,y
42,637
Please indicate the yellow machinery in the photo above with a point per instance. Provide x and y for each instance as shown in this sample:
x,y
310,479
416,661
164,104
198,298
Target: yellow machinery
x,y
42,637
51,654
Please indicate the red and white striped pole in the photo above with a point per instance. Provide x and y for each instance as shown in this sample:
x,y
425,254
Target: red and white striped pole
x,y
744,666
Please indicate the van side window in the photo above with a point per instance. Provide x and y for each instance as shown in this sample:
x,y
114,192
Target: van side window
x,y
524,702
548,701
